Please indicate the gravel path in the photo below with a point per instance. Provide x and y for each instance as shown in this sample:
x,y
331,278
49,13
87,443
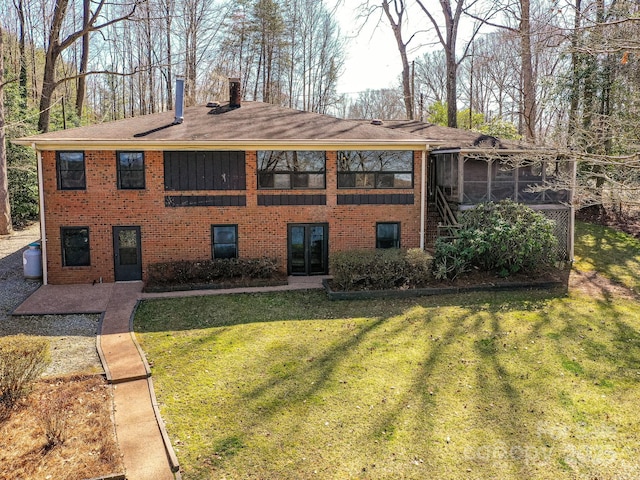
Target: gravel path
x,y
72,337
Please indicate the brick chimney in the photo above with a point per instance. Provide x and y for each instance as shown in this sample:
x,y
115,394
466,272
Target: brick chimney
x,y
235,93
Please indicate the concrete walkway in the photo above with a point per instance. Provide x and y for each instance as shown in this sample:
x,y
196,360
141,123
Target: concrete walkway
x,y
147,451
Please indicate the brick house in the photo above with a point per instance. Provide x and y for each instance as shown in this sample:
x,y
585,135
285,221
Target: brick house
x,y
244,180
224,181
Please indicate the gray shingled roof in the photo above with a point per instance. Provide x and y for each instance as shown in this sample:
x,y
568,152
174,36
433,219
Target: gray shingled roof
x,y
451,138
261,124
252,122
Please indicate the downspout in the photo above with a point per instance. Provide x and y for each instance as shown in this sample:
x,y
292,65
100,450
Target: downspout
x,y
423,197
43,230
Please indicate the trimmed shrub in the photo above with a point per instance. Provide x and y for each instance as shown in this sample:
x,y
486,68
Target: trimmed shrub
x,y
210,271
380,269
22,361
504,238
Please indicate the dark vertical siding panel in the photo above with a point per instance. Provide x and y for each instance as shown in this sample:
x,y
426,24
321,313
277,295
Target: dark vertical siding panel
x,y
200,163
225,178
240,175
183,171
234,171
217,170
208,171
175,170
192,179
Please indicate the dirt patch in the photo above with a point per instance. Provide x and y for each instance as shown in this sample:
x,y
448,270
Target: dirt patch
x,y
597,286
83,412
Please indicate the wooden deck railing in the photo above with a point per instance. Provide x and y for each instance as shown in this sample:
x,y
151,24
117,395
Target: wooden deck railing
x,y
449,225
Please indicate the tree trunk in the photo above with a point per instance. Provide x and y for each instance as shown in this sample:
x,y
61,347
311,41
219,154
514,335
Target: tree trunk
x,y
5,207
529,110
452,87
81,88
576,66
169,12
51,57
396,26
46,96
23,56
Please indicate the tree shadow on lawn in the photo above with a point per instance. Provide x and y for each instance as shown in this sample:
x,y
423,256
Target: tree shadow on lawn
x,y
315,377
611,253
240,309
423,392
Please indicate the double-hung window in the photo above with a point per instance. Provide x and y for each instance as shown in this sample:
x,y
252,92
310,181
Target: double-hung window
x,y
283,169
75,246
224,241
70,171
375,169
130,170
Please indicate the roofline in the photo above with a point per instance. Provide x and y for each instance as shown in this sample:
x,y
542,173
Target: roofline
x,y
95,144
495,151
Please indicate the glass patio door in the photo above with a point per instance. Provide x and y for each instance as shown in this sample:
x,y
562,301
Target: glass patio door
x,y
308,249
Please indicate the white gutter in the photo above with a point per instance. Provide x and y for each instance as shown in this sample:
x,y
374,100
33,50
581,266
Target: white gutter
x,y
43,230
423,197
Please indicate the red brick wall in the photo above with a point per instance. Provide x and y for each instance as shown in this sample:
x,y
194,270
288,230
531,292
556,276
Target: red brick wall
x,y
184,233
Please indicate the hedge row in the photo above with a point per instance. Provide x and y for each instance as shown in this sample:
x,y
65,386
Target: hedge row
x,y
210,271
380,269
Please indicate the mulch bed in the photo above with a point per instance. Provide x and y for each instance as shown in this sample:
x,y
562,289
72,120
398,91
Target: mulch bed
x,y
83,404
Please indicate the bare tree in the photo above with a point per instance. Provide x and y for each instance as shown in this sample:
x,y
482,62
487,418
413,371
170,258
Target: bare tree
x,y
385,104
81,87
452,12
396,19
55,47
5,207
430,76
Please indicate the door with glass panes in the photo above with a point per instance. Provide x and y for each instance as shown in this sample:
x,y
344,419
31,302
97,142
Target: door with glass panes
x,y
127,254
308,249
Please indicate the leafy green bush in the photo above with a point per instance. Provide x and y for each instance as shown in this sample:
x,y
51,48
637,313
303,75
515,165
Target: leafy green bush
x,y
209,271
22,361
380,269
22,175
504,237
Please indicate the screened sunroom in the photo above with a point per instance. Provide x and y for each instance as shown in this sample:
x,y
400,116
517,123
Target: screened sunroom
x,y
460,180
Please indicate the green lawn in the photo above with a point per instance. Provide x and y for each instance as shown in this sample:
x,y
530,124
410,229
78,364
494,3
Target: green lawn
x,y
609,252
292,386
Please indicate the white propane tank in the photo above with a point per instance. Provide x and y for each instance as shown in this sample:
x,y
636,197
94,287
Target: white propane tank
x,y
32,261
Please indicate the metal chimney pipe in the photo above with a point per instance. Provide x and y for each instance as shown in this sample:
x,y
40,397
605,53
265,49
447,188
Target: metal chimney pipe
x,y
235,93
179,109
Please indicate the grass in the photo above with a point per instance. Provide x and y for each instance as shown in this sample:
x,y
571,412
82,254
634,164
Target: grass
x,y
511,385
611,253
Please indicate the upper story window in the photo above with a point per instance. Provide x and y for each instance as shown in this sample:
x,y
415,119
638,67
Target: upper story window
x,y
278,169
217,170
130,170
375,169
70,171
